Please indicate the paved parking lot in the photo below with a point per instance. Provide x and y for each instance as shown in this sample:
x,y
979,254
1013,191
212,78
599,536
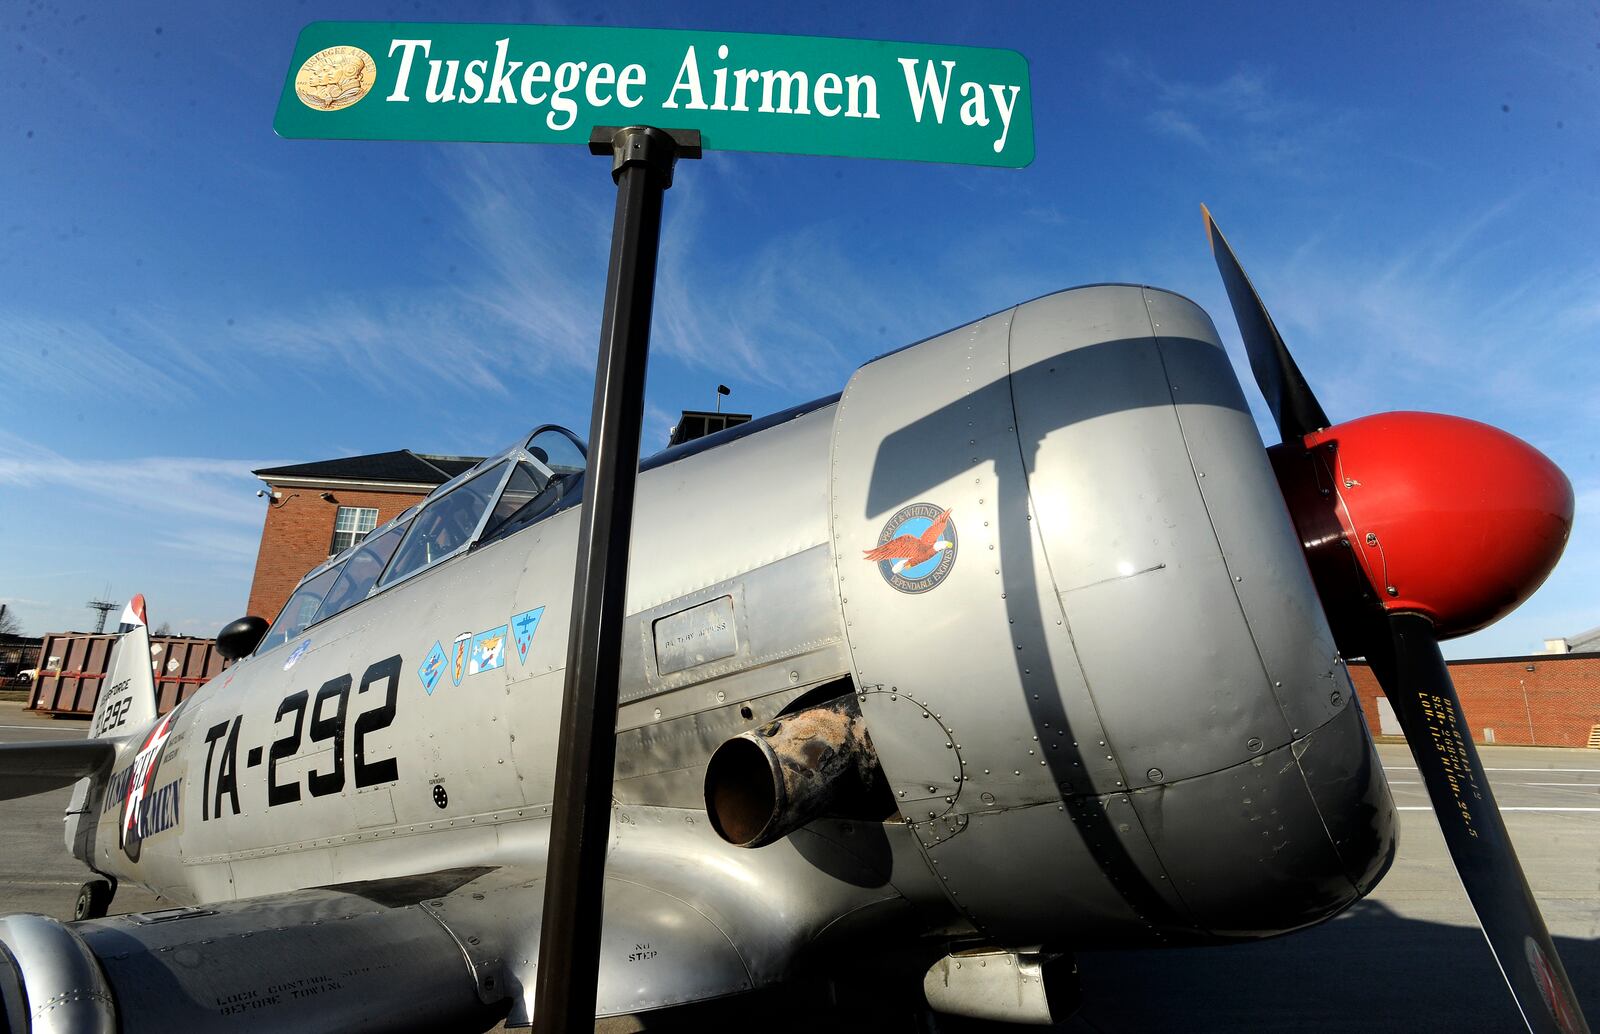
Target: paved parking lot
x,y
1410,958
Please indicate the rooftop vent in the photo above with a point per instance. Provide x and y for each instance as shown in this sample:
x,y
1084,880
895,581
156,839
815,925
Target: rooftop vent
x,y
696,423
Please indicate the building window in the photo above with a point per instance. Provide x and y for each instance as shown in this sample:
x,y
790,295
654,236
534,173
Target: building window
x,y
351,526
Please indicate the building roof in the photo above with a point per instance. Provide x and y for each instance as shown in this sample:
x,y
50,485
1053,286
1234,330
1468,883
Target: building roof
x,y
399,467
1585,642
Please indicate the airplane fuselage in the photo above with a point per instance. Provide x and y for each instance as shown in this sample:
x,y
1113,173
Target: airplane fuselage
x,y
1111,684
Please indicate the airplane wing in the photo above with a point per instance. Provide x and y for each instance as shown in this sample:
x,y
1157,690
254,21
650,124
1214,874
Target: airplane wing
x,y
456,949
30,768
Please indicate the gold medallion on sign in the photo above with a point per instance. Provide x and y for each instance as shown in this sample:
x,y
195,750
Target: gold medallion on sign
x,y
335,78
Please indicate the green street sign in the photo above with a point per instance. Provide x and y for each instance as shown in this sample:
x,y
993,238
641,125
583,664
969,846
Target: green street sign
x,y
550,84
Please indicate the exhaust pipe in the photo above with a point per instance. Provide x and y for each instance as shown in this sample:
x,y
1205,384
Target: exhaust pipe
x,y
764,784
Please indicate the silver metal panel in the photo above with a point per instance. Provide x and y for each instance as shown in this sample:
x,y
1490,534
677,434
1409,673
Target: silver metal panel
x,y
1347,782
783,609
1002,850
1111,483
80,820
66,991
1247,848
312,961
1195,699
1248,515
998,986
773,904
663,762
655,950
695,636
710,517
928,768
1129,537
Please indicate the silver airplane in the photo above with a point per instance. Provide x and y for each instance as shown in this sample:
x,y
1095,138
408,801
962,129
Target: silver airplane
x,y
1022,644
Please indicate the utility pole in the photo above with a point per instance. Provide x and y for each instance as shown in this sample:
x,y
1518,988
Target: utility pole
x,y
104,607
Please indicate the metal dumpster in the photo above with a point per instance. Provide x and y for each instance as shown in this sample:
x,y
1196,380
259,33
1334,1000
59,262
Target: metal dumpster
x,y
72,666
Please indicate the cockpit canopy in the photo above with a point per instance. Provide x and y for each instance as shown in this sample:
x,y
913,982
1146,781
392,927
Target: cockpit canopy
x,y
504,493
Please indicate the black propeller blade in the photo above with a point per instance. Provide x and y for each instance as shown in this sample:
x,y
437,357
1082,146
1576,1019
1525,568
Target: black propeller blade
x,y
1414,677
1288,396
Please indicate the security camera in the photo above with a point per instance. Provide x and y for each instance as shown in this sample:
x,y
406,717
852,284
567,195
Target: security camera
x,y
260,492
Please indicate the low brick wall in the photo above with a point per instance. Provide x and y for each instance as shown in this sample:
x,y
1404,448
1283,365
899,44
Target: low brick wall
x,y
1545,700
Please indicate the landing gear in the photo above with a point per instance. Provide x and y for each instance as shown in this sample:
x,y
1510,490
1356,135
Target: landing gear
x,y
94,899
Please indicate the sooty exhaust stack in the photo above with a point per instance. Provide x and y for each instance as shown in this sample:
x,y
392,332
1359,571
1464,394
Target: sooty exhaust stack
x,y
764,784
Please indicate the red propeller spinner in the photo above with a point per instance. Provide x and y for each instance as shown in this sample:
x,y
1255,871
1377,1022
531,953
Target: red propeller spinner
x,y
1437,515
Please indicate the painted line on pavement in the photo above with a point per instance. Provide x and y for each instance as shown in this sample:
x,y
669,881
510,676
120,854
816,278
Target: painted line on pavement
x,y
1410,807
1413,768
1418,782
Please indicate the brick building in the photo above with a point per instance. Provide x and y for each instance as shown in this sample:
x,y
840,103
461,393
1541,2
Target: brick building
x,y
1545,700
317,509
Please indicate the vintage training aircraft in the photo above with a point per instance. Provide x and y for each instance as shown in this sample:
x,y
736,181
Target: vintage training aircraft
x,y
1022,644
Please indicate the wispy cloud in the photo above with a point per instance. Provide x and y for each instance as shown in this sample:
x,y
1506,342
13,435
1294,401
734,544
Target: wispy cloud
x,y
1241,117
37,352
175,486
1456,312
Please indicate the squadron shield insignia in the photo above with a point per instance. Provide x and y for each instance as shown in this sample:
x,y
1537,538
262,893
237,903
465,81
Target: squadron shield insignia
x,y
488,650
299,652
523,626
458,657
432,667
916,549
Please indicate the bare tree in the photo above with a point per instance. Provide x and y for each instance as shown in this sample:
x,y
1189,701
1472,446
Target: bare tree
x,y
165,629
9,624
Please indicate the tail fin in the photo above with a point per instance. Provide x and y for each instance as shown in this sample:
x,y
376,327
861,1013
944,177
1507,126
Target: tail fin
x,y
132,614
128,695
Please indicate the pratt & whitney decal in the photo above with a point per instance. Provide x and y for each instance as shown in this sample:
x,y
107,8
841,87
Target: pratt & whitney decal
x,y
916,549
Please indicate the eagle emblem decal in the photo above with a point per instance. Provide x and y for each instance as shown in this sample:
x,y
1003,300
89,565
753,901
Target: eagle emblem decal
x,y
916,549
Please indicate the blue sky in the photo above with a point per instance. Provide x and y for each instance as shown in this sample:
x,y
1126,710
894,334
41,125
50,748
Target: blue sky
x,y
184,296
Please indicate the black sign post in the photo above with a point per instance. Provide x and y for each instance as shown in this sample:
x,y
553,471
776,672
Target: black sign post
x,y
642,161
